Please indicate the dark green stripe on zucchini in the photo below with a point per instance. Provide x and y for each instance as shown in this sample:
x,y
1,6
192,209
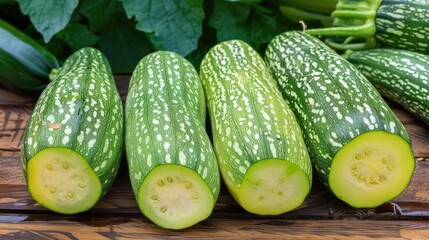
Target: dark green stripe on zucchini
x,y
71,148
25,65
258,143
172,166
359,148
399,75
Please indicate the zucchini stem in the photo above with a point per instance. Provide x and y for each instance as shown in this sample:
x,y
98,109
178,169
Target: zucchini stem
x,y
323,7
353,14
369,42
296,14
353,19
365,30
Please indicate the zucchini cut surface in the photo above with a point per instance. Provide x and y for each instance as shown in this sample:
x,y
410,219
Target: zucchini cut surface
x,y
175,197
273,186
371,169
61,180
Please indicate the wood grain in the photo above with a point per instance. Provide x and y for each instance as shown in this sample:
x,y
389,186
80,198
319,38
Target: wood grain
x,y
101,227
117,215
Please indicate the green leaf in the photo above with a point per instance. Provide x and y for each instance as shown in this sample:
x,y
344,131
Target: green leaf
x,y
122,44
228,18
206,42
77,36
173,25
98,12
48,16
229,13
245,1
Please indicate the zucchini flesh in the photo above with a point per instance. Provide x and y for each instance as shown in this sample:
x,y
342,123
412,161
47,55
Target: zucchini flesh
x,y
74,135
272,186
175,196
362,171
172,165
63,181
342,115
399,75
394,23
258,143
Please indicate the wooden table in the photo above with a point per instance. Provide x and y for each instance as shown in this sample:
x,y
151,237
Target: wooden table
x,y
117,215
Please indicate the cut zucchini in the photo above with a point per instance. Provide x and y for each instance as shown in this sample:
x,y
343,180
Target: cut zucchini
x,y
273,186
79,114
372,168
259,145
343,117
175,197
167,144
60,179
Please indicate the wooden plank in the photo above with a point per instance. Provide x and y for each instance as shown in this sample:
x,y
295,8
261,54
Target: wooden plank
x,y
39,226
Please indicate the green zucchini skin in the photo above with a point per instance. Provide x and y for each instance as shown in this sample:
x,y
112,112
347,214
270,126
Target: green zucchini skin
x,y
25,64
249,119
80,110
333,102
399,75
165,119
403,24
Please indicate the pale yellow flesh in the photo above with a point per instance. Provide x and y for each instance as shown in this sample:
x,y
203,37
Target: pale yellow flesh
x,y
372,169
273,187
62,180
175,197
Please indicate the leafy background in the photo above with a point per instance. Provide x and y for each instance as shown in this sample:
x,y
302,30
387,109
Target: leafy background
x,y
127,30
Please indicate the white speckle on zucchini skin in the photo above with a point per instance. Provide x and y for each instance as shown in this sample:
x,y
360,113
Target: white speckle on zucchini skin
x,y
399,75
353,107
68,113
404,25
165,119
247,112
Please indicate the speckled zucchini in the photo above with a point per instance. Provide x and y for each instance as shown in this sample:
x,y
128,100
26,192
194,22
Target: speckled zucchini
x,y
394,23
71,148
399,75
359,148
172,166
257,140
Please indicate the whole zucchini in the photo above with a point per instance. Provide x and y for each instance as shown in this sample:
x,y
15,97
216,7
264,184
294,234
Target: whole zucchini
x,y
71,148
172,166
399,75
257,140
359,148
25,65
394,23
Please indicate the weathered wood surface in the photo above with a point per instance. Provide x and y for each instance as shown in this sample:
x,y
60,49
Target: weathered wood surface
x,y
117,216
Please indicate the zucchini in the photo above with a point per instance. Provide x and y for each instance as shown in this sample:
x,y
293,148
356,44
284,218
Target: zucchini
x,y
393,23
172,166
25,64
399,75
71,148
257,140
359,148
